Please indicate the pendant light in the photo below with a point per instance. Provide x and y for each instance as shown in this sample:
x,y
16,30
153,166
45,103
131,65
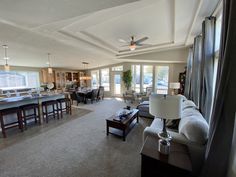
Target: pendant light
x,y
85,77
49,65
6,66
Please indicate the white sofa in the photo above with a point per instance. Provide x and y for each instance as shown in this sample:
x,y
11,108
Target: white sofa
x,y
192,131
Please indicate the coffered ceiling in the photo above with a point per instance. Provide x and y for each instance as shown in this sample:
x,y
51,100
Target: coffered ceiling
x,y
77,30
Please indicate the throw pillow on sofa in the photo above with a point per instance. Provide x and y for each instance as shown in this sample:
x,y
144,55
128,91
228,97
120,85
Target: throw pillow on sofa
x,y
195,128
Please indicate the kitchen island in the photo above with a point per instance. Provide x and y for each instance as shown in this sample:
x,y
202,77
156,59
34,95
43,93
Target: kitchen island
x,y
28,99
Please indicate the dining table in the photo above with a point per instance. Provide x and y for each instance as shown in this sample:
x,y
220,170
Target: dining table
x,y
83,95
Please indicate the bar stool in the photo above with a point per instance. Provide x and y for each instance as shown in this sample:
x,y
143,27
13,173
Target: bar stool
x,y
5,126
46,112
30,107
67,107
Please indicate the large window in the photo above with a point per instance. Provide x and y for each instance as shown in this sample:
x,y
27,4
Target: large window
x,y
117,68
136,77
105,79
216,59
147,76
95,79
162,77
218,32
18,79
217,47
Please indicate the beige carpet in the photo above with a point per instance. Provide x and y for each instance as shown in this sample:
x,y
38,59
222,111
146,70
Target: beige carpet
x,y
77,147
14,135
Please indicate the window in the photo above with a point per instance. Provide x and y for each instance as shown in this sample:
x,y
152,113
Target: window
x,y
117,68
218,32
216,59
147,76
105,79
95,79
162,77
19,79
217,47
135,69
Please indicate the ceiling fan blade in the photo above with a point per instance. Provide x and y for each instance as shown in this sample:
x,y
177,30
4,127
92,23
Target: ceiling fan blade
x,y
125,45
141,40
122,40
143,44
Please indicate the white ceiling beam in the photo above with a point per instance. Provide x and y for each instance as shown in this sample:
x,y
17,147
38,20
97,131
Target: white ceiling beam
x,y
86,42
173,29
161,48
102,43
193,21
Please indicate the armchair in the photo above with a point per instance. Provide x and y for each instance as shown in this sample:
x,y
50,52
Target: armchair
x,y
148,93
130,96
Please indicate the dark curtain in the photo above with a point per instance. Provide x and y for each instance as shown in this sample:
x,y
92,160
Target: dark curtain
x,y
207,63
196,70
223,115
188,74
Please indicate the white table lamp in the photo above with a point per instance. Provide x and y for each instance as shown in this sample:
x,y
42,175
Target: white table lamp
x,y
174,86
165,107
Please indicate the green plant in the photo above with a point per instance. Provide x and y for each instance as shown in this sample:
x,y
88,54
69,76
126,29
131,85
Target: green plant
x,y
127,78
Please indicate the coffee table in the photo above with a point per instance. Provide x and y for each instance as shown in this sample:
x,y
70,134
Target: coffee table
x,y
123,127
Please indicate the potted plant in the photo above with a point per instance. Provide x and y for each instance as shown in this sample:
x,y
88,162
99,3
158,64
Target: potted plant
x,y
127,78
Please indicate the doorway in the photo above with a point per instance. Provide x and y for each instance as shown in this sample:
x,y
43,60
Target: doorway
x,y
117,84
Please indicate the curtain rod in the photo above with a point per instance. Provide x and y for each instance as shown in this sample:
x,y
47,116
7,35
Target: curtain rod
x,y
217,8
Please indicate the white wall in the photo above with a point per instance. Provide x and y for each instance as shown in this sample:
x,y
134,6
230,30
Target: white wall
x,y
169,56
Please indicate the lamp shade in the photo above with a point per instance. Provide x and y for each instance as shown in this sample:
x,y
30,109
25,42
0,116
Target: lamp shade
x,y
165,107
174,85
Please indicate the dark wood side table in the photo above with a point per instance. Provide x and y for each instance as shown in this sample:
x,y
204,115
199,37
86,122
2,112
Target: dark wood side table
x,y
122,127
154,164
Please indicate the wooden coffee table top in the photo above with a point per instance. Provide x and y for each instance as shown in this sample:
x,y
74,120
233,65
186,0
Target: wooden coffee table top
x,y
125,120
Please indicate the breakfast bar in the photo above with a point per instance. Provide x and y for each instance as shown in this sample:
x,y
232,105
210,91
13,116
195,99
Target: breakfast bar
x,y
12,102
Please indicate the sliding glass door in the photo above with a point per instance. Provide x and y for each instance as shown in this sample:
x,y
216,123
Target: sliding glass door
x,y
136,81
117,84
147,76
162,79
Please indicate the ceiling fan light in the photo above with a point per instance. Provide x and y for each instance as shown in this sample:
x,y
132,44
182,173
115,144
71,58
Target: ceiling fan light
x,y
132,47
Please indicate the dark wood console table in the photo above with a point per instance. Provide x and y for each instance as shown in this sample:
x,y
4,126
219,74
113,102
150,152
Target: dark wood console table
x,y
176,164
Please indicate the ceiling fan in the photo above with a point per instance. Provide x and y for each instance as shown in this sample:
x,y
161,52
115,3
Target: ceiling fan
x,y
132,44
